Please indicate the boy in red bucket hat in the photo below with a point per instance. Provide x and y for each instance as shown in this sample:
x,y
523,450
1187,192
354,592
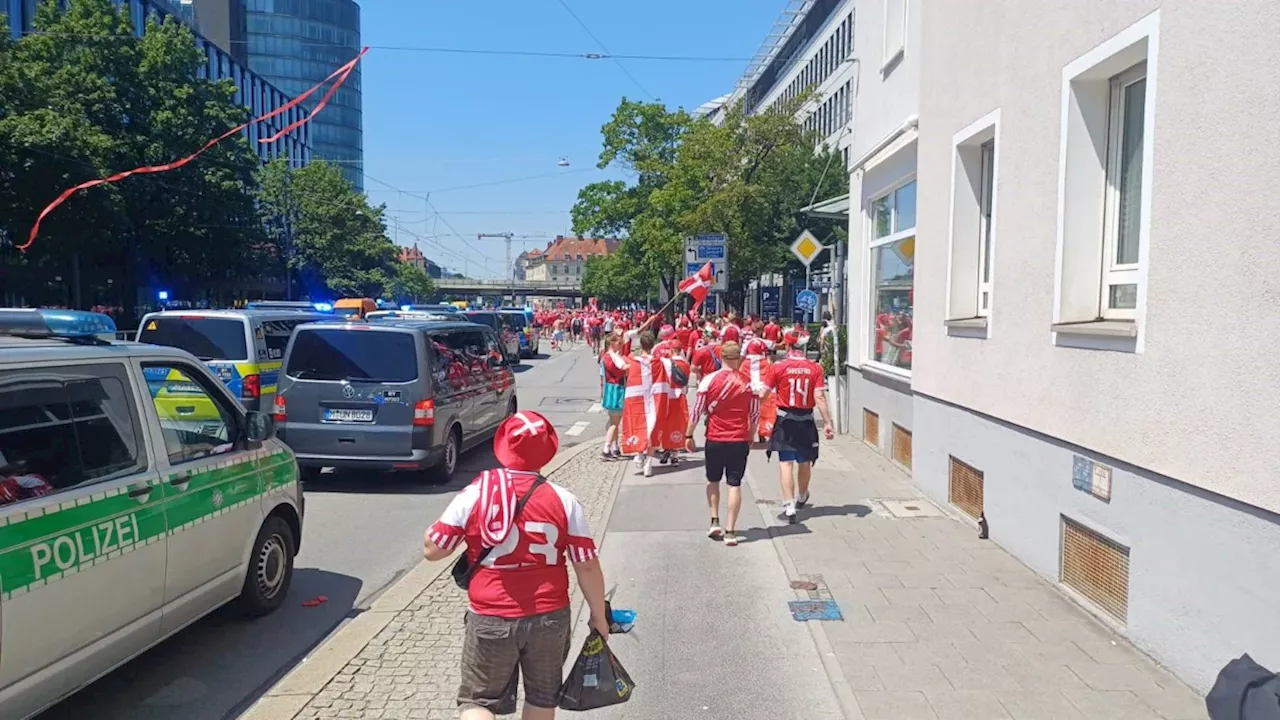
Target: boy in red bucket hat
x,y
520,534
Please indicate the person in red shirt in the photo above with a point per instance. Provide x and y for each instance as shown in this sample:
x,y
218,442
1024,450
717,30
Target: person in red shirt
x,y
797,385
520,533
732,410
773,332
613,366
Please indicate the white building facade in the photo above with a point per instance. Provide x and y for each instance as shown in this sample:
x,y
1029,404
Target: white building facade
x,y
1067,176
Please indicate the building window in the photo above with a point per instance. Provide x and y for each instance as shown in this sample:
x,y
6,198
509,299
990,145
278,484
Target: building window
x,y
1124,193
895,31
972,226
1104,193
892,263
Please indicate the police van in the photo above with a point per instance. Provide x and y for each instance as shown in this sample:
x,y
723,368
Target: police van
x,y
243,348
121,521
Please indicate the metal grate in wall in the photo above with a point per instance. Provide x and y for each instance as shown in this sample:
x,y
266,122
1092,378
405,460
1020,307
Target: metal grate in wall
x,y
902,446
966,488
870,428
1097,567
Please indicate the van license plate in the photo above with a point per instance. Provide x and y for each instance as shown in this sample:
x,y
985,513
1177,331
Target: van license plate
x,y
347,415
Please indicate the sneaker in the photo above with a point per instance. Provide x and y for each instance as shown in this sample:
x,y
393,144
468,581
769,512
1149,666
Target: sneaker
x,y
802,499
664,458
639,461
715,533
789,513
675,458
648,467
731,538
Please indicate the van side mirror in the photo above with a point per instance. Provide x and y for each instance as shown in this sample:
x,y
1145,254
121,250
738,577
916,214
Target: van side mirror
x,y
259,426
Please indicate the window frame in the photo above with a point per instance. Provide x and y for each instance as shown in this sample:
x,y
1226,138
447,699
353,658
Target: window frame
x,y
873,244
217,393
1114,273
893,54
986,224
1077,319
63,375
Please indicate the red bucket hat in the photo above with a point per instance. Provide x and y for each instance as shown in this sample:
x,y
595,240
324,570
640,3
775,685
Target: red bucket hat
x,y
525,441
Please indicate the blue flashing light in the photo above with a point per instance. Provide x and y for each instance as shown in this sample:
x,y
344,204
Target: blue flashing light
x,y
56,323
323,307
163,295
406,308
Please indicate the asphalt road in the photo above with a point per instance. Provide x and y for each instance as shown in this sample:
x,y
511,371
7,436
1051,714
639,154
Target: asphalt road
x,y
360,535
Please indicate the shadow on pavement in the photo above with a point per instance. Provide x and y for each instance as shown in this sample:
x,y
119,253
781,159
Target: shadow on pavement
x,y
753,534
220,665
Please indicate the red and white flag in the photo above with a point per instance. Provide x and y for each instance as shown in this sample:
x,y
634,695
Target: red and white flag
x,y
698,285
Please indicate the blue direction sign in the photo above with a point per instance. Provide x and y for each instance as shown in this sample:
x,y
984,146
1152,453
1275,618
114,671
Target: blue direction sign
x,y
807,299
712,304
770,301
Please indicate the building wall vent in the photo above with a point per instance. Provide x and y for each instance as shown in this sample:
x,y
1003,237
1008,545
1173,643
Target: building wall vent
x,y
1097,567
966,488
902,446
870,428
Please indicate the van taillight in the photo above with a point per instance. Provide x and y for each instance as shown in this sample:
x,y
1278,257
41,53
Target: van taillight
x,y
251,387
424,413
278,409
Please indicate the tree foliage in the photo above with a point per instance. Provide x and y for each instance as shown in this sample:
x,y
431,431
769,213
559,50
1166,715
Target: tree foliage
x,y
336,242
746,176
409,284
83,98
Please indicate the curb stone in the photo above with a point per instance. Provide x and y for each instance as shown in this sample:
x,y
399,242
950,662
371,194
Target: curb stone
x,y
288,697
830,663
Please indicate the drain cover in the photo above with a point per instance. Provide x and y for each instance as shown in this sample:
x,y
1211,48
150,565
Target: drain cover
x,y
565,401
803,585
910,508
806,610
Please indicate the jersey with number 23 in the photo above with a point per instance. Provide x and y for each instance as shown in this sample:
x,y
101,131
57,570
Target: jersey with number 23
x,y
527,573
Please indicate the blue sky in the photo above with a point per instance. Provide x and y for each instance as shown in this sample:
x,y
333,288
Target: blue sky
x,y
436,121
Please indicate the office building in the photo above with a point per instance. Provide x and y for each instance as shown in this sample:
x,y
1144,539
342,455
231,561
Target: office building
x,y
225,22
810,50
298,43
252,90
1077,381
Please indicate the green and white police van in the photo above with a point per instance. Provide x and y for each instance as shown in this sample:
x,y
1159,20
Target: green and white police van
x,y
122,522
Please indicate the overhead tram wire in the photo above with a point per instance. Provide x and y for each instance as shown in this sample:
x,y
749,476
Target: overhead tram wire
x,y
564,4
427,199
458,51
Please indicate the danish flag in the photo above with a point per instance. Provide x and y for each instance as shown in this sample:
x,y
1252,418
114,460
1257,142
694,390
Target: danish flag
x,y
698,284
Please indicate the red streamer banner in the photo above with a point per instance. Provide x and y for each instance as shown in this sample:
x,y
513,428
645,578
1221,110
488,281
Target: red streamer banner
x,y
339,77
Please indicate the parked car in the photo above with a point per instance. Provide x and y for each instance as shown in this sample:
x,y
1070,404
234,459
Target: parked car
x,y
125,519
398,395
243,348
526,333
504,326
442,308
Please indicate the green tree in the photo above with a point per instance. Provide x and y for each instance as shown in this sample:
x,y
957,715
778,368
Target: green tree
x,y
84,98
746,176
409,284
619,277
333,238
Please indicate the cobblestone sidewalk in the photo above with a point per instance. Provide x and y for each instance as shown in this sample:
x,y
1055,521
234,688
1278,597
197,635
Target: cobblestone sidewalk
x,y
409,671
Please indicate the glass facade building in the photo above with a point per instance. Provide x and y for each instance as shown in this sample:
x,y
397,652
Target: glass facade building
x,y
296,44
252,90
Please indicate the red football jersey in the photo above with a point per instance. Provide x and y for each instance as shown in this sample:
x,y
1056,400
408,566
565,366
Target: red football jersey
x,y
795,382
704,360
732,409
527,573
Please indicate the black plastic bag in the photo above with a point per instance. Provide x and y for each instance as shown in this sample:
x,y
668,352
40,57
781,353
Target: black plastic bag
x,y
597,679
1245,690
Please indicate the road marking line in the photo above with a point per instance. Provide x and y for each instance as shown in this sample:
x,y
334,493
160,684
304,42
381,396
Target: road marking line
x,y
577,428
595,408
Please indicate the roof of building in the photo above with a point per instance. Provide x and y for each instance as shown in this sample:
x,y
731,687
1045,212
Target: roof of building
x,y
569,247
408,254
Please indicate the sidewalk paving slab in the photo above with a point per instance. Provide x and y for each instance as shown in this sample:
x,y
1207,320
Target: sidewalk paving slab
x,y
940,624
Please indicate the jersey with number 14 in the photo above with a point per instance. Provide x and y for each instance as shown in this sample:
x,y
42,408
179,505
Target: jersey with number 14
x,y
795,382
526,574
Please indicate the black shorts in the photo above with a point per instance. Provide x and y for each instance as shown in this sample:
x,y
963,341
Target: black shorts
x,y
727,461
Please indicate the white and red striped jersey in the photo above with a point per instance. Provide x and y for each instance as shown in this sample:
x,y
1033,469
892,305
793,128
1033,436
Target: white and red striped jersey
x,y
526,574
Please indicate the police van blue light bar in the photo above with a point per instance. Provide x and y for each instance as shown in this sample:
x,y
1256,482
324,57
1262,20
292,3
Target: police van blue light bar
x,y
55,323
323,307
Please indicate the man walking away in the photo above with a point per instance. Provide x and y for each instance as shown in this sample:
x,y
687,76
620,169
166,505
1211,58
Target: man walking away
x,y
732,410
645,405
797,383
575,328
519,619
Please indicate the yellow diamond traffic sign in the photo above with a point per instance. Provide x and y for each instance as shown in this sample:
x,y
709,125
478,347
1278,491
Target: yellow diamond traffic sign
x,y
807,248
